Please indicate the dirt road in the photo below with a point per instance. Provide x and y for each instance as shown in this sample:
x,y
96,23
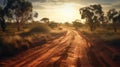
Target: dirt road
x,y
70,50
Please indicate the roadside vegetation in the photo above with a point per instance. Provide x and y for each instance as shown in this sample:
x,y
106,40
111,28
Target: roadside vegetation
x,y
19,31
34,34
103,35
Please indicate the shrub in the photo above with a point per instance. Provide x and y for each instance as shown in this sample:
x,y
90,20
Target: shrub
x,y
41,28
7,46
53,24
10,45
25,34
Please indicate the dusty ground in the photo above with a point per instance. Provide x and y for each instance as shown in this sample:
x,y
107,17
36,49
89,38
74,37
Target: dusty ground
x,y
70,50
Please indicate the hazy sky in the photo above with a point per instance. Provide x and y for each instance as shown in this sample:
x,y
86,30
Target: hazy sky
x,y
67,10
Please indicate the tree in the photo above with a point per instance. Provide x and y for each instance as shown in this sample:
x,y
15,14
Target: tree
x,y
114,16
77,24
22,12
53,24
93,15
33,16
19,10
105,22
2,20
2,14
45,20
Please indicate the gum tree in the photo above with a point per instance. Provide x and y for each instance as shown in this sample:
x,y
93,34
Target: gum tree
x,y
114,16
19,10
93,15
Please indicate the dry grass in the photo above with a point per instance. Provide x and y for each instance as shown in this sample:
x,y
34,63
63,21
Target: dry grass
x,y
107,36
12,42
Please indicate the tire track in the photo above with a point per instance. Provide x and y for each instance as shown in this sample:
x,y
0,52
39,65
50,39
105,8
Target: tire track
x,y
62,56
52,52
30,53
69,50
42,52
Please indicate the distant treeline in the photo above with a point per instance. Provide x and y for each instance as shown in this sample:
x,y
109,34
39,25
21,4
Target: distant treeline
x,y
20,11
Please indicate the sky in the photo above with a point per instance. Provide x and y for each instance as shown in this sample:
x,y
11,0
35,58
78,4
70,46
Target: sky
x,y
67,10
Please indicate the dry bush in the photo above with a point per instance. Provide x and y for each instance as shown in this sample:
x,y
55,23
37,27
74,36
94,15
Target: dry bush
x,y
40,28
106,36
10,45
37,35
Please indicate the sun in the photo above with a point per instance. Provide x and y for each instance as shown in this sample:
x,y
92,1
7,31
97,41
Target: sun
x,y
69,12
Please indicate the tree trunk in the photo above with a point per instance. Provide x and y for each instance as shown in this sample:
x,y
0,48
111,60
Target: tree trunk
x,y
18,25
92,28
91,25
3,25
2,20
115,26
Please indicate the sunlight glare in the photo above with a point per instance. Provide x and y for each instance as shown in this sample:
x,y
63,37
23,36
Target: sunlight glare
x,y
66,12
69,11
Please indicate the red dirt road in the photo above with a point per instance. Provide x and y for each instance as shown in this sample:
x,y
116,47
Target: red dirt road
x,y
70,50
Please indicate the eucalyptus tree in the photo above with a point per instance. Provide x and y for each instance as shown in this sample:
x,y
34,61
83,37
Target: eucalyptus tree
x,y
3,3
114,16
93,15
19,10
45,20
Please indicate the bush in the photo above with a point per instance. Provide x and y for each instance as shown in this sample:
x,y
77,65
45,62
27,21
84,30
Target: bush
x,y
7,46
53,25
77,24
41,28
10,45
25,34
